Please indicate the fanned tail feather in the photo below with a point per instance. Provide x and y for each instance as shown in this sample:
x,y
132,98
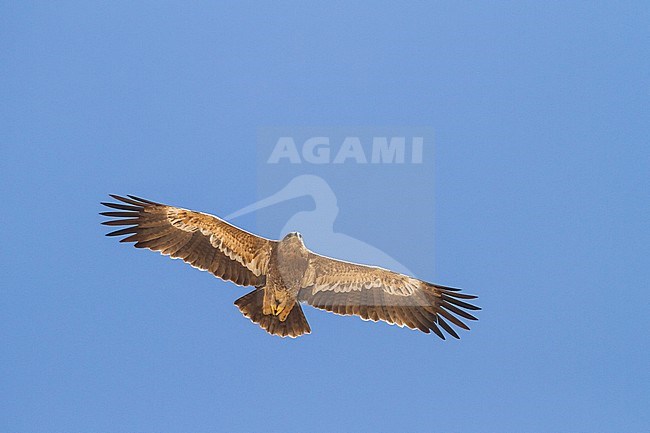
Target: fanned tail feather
x,y
294,326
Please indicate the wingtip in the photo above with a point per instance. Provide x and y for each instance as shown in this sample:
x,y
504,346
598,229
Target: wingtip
x,y
144,200
116,197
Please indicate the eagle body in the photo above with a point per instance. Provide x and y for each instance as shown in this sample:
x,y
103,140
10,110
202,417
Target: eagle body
x,y
287,267
275,306
286,273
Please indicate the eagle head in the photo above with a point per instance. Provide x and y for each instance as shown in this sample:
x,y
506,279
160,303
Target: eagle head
x,y
293,236
293,241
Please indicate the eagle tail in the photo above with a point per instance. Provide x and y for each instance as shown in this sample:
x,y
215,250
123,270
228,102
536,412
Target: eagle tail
x,y
295,324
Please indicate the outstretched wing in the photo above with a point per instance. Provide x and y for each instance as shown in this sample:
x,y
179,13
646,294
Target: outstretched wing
x,y
204,241
378,294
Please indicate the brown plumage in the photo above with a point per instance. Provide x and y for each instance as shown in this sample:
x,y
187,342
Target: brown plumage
x,y
285,273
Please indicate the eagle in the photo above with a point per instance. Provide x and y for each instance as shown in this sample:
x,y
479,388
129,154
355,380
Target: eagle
x,y
286,273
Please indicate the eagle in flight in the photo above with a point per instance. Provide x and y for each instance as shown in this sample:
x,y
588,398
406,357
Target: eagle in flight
x,y
286,273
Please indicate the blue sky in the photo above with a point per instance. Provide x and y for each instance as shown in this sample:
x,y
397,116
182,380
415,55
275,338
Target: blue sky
x,y
541,120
